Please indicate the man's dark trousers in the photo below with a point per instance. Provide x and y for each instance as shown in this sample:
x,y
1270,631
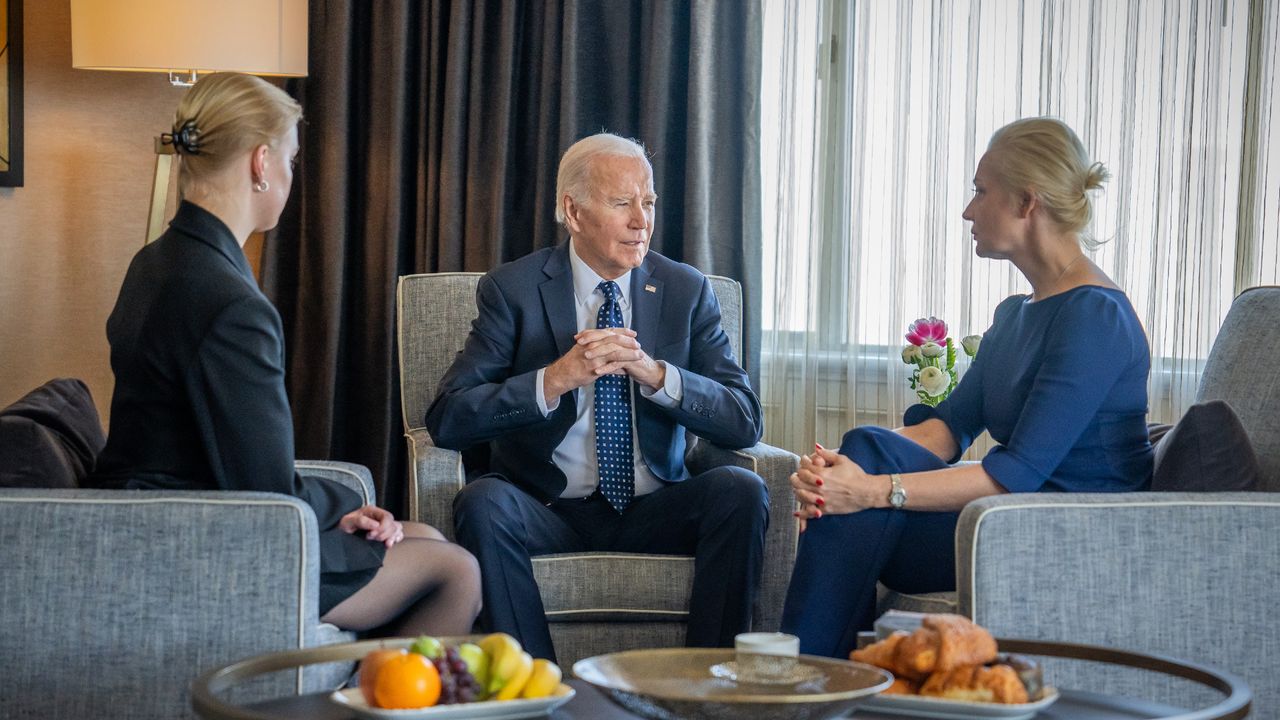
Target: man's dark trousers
x,y
720,515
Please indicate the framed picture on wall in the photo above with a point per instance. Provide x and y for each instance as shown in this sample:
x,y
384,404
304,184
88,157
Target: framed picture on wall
x,y
10,93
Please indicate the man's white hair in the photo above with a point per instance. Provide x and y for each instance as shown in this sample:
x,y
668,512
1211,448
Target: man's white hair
x,y
574,176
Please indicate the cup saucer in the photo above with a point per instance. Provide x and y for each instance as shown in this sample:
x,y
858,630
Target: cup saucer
x,y
800,673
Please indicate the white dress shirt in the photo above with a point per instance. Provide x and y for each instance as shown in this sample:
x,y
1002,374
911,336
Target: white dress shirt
x,y
576,454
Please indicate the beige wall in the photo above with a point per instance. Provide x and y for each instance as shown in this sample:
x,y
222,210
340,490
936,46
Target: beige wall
x,y
66,237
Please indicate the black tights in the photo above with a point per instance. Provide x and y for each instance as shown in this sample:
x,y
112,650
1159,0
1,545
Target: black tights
x,y
426,586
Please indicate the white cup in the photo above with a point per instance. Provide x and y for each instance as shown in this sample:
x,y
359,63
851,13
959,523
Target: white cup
x,y
766,656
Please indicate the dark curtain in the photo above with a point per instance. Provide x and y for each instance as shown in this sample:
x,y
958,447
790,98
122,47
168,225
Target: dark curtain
x,y
431,140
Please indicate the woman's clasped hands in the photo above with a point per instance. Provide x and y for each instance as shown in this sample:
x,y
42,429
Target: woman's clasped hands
x,y
380,525
830,483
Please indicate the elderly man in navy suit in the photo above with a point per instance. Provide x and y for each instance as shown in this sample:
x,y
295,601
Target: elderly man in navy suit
x,y
586,365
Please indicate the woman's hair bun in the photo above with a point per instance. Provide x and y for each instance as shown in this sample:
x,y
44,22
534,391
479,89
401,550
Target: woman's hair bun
x,y
1096,176
185,139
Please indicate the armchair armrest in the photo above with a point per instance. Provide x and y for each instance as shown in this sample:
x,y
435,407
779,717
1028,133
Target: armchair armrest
x,y
1191,575
435,476
775,466
356,477
131,593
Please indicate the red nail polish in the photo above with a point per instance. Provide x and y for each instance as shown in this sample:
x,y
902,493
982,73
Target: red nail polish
x,y
819,446
821,502
819,482
817,514
797,513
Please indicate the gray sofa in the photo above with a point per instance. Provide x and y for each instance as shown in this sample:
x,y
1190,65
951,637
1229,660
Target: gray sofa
x,y
1193,575
595,602
115,600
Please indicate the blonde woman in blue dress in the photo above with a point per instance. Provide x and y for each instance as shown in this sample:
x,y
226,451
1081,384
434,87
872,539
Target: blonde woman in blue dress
x,y
1060,382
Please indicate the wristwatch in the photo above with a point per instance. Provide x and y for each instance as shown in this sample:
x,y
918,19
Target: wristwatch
x,y
897,493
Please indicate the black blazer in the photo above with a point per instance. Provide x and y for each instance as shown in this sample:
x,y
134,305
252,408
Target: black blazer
x,y
199,403
527,320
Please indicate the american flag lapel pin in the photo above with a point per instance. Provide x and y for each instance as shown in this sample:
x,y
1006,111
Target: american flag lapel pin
x,y
650,288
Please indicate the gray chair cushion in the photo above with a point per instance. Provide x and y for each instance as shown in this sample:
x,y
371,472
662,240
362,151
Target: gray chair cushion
x,y
434,313
1208,450
623,587
1233,374
577,640
939,602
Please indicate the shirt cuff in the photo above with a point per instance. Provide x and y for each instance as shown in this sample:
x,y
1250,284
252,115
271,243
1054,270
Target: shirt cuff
x,y
1011,472
671,392
918,413
541,396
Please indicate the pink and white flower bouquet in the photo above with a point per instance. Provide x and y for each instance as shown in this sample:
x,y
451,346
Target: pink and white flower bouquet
x,y
934,357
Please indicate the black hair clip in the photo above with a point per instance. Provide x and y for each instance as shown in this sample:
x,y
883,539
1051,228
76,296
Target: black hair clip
x,y
185,140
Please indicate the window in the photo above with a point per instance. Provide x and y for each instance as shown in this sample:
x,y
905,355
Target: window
x,y
874,115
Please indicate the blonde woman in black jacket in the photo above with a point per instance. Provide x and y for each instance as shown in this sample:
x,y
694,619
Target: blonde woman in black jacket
x,y
198,356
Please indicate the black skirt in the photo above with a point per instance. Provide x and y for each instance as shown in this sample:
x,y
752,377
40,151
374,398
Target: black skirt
x,y
347,563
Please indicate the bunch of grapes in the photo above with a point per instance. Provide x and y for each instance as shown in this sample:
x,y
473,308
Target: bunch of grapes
x,y
457,684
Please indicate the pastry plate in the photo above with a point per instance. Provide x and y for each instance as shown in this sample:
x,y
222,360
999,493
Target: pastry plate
x,y
930,707
353,700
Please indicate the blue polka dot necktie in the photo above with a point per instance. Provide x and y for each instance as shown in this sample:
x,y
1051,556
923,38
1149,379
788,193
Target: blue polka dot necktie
x,y
613,417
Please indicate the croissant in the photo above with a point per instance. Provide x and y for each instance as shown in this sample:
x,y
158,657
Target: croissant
x,y
942,642
976,683
881,654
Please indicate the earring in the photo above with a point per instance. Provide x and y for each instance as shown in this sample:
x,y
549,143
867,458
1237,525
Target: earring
x,y
261,186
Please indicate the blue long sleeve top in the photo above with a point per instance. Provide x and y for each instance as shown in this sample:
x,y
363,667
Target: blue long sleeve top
x,y
1061,384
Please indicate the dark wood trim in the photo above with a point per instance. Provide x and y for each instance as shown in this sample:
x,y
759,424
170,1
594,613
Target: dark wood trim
x,y
13,176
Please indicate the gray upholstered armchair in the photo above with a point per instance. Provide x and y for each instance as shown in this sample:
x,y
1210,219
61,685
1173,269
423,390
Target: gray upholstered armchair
x,y
1191,575
116,600
639,600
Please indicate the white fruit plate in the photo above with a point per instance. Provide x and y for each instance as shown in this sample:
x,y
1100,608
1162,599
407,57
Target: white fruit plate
x,y
352,700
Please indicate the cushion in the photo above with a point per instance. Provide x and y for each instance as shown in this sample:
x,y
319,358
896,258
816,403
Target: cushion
x,y
1208,450
51,437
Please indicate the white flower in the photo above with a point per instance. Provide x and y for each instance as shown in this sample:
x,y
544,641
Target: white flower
x,y
910,354
934,381
931,349
970,344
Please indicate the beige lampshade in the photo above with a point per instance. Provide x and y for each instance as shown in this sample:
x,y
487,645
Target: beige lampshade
x,y
260,37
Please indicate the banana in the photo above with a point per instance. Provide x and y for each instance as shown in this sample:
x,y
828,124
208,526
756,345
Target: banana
x,y
504,660
516,682
543,680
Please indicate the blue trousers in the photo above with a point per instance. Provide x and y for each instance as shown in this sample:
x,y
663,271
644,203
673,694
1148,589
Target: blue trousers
x,y
840,558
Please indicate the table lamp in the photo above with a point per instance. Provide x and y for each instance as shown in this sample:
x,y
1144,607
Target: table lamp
x,y
187,38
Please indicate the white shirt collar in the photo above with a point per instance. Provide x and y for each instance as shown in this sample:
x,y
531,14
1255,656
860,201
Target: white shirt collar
x,y
585,280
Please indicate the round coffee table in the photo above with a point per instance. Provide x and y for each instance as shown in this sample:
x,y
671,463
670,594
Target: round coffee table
x,y
590,704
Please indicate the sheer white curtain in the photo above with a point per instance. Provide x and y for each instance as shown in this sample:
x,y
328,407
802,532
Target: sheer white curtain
x,y
874,115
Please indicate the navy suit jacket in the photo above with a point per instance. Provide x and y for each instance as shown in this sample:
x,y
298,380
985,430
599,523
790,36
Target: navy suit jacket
x,y
527,321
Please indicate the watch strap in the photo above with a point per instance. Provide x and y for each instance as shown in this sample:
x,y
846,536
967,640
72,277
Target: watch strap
x,y
897,493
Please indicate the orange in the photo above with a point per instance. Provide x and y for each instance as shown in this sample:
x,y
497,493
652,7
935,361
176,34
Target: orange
x,y
406,682
369,670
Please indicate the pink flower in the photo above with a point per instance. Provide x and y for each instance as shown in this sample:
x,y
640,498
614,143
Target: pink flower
x,y
929,329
